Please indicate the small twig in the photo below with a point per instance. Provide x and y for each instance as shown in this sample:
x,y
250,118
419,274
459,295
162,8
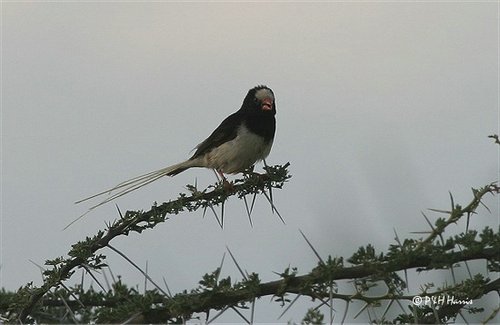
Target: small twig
x,y
495,137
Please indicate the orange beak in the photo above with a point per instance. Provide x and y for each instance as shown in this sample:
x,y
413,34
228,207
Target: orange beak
x,y
267,104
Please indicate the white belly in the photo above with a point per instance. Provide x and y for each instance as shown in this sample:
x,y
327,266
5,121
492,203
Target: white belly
x,y
238,154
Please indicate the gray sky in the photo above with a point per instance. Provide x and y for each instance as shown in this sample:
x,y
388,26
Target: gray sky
x,y
382,109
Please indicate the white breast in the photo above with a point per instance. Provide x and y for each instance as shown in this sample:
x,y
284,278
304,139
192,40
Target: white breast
x,y
238,154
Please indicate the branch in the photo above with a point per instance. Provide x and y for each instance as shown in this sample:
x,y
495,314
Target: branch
x,y
495,137
215,294
458,212
187,304
456,307
83,253
366,267
424,254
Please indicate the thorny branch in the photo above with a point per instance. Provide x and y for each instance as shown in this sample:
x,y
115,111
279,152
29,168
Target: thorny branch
x,y
84,252
366,269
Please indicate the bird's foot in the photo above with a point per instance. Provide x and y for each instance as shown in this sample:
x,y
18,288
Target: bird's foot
x,y
228,186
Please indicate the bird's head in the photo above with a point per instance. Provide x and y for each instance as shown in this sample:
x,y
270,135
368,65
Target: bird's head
x,y
260,99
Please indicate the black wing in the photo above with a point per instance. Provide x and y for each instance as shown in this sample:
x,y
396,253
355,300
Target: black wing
x,y
225,132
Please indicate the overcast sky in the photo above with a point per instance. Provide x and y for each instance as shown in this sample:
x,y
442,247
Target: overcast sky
x,y
382,109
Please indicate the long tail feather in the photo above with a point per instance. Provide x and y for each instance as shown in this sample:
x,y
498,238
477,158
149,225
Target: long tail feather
x,y
133,184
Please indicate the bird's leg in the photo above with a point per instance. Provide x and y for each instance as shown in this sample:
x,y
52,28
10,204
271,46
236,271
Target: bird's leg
x,y
216,174
265,175
227,185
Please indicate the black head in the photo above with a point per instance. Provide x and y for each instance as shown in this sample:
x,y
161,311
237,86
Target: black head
x,y
259,99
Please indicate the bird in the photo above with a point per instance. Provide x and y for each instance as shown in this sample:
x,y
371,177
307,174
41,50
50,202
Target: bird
x,y
241,140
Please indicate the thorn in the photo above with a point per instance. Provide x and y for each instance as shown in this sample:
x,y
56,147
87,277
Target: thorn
x,y
289,306
273,207
361,310
466,264
484,205
220,266
240,314
86,268
271,198
252,312
137,267
218,314
253,202
216,216
345,312
452,269
119,211
401,305
68,309
440,211
222,215
169,293
248,211
406,280
145,278
236,263
428,222
397,237
312,247
387,308
106,278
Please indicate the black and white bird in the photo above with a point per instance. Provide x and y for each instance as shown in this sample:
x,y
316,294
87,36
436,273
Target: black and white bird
x,y
242,139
